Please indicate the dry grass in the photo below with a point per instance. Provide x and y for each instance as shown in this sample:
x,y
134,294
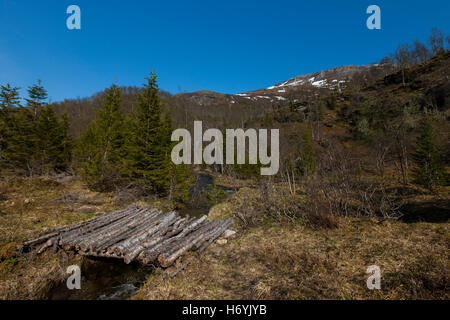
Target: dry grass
x,y
305,260
34,206
29,208
270,261
301,263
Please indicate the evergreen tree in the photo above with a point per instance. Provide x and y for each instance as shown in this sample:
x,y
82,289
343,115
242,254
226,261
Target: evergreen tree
x,y
149,164
36,101
101,147
23,150
48,139
34,139
306,163
65,144
53,141
430,171
9,99
22,141
179,175
332,101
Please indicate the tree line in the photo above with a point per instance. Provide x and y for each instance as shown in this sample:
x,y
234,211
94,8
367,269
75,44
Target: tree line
x,y
117,150
408,54
32,138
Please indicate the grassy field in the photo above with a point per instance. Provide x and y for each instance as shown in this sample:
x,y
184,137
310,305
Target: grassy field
x,y
271,260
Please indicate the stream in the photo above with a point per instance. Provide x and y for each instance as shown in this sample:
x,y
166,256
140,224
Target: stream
x,y
103,279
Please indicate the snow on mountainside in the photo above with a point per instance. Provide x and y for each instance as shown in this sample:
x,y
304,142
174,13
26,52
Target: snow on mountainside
x,y
332,78
294,89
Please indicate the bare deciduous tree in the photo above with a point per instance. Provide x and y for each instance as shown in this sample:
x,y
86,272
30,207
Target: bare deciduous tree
x,y
421,52
436,41
403,57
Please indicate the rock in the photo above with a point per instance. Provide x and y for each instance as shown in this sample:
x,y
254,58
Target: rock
x,y
229,234
222,241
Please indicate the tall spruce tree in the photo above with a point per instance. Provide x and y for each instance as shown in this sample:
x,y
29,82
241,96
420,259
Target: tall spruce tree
x,y
101,147
179,176
22,146
65,144
9,99
148,150
36,141
430,171
22,142
53,152
306,163
37,99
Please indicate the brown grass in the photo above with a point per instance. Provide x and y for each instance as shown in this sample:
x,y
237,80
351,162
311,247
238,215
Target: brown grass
x,y
301,263
273,260
31,207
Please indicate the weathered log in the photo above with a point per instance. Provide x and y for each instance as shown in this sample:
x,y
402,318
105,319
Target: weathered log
x,y
192,226
70,238
166,260
113,237
163,225
204,229
228,223
109,231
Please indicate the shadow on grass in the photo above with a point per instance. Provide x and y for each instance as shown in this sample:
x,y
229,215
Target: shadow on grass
x,y
427,211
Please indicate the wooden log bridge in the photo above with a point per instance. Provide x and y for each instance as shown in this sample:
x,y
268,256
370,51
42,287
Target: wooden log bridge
x,y
148,236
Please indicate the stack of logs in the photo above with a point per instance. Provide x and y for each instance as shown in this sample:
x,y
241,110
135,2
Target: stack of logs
x,y
135,234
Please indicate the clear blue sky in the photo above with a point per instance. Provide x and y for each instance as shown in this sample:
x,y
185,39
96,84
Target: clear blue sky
x,y
225,46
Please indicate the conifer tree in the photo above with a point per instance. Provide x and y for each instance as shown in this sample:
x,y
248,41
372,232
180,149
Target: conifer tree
x,y
430,171
48,138
36,101
23,149
65,144
21,145
53,141
306,163
148,151
101,147
9,99
22,142
36,141
180,177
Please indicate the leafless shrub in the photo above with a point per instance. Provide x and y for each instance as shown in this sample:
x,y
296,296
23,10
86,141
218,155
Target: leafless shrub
x,y
342,186
279,202
270,201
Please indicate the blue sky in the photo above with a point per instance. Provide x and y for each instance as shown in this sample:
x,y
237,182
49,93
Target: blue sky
x,y
225,46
